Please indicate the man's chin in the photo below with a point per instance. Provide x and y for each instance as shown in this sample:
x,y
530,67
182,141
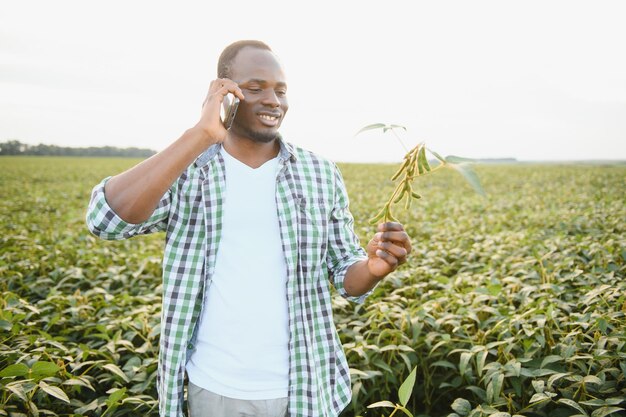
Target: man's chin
x,y
261,136
265,138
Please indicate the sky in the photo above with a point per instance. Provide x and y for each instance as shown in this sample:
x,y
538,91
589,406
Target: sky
x,y
532,80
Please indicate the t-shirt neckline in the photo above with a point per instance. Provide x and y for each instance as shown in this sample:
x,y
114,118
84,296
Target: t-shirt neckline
x,y
266,164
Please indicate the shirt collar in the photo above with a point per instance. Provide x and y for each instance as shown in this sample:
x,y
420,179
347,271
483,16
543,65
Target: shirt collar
x,y
287,152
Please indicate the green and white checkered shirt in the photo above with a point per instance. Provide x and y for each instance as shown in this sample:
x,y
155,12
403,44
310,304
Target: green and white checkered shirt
x,y
319,243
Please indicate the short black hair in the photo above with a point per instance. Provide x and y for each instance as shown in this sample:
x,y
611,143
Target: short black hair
x,y
230,52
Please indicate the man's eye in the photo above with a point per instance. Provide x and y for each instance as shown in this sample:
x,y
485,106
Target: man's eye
x,y
254,90
281,93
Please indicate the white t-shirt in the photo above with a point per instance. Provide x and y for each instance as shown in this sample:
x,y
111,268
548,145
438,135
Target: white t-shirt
x,y
243,336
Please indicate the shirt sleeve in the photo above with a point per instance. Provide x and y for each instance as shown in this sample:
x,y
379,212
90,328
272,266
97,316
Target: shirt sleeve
x,y
103,222
344,248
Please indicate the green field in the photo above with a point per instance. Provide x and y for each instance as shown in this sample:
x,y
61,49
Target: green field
x,y
514,303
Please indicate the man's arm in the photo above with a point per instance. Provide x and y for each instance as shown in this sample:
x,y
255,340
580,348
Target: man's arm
x,y
135,193
386,251
355,271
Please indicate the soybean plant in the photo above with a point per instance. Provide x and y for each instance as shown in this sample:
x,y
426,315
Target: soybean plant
x,y
416,165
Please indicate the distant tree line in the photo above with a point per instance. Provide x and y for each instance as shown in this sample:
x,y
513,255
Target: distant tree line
x,y
14,147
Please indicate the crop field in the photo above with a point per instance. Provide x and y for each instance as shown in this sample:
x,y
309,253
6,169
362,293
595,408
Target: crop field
x,y
510,304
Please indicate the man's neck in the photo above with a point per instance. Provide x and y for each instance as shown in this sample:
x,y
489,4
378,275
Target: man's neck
x,y
252,153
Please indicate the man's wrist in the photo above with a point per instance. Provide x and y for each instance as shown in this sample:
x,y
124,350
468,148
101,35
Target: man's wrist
x,y
359,279
374,276
203,135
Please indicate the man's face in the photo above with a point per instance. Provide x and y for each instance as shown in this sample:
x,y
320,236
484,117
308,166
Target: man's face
x,y
261,78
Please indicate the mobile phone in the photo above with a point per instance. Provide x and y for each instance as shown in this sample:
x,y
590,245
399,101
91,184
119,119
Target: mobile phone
x,y
229,109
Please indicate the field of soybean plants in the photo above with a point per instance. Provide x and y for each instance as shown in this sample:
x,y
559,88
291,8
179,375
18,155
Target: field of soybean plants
x,y
510,304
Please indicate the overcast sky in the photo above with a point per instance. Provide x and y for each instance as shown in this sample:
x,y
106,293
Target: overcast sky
x,y
533,80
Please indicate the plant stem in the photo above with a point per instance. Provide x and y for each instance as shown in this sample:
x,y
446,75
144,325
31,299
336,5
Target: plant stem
x,y
399,140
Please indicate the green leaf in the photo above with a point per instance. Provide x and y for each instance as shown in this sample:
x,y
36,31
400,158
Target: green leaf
x,y
461,406
479,392
391,127
371,127
388,404
592,379
116,370
404,393
514,367
605,411
356,390
550,359
439,157
115,397
556,377
94,405
17,369
54,391
80,381
498,382
500,414
469,175
452,159
538,397
18,390
596,402
41,369
444,364
481,357
490,393
406,359
465,358
571,403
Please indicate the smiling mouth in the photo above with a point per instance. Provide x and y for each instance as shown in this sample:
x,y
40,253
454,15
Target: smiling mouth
x,y
269,120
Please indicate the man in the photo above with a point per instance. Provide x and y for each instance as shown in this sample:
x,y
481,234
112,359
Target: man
x,y
255,229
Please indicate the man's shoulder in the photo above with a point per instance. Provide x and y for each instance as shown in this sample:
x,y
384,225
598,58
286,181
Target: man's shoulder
x,y
307,158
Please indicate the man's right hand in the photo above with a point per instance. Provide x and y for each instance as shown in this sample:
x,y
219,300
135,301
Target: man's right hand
x,y
135,193
210,121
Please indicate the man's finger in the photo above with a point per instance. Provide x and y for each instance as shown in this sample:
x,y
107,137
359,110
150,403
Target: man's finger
x,y
390,259
398,252
390,226
399,238
224,86
231,87
392,236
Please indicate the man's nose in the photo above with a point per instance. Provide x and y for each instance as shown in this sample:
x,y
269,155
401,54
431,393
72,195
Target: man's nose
x,y
271,99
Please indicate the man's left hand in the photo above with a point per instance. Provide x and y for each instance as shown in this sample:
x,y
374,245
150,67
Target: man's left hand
x,y
388,249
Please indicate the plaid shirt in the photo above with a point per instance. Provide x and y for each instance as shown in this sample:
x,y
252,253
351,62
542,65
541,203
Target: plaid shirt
x,y
319,243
